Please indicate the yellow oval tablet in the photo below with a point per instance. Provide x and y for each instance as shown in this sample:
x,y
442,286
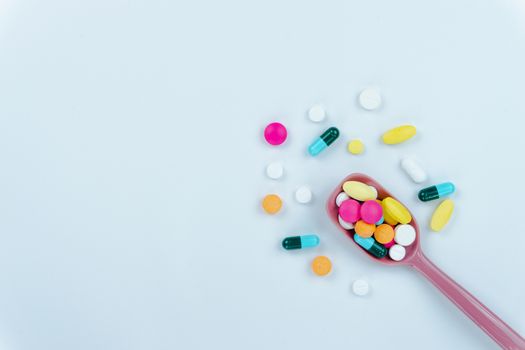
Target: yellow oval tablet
x,y
396,211
356,147
388,219
399,134
359,190
442,215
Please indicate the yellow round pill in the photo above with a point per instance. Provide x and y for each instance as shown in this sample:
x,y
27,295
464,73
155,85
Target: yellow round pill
x,y
356,147
396,211
272,203
442,215
321,266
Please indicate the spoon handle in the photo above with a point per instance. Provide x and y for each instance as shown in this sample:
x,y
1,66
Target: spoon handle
x,y
498,330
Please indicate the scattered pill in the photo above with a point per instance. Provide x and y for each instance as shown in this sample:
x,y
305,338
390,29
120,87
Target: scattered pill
x,y
413,170
397,252
321,265
356,147
371,211
325,140
360,288
370,245
274,170
303,195
396,211
344,224
275,133
364,229
405,235
399,134
349,210
359,190
272,203
341,197
442,215
437,191
384,234
370,99
317,113
300,242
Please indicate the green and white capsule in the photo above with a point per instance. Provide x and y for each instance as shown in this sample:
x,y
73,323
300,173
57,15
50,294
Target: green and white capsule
x,y
300,242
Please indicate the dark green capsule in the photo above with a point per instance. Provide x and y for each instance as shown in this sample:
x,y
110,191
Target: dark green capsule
x,y
299,242
323,141
437,191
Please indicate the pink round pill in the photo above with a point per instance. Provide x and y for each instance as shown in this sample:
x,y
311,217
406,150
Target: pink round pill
x,y
349,210
390,244
275,133
371,211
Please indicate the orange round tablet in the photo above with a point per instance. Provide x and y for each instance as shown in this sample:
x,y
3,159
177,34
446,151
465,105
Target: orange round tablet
x,y
384,233
321,265
272,203
364,229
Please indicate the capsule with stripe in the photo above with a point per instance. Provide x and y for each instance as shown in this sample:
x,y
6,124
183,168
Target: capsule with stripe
x,y
437,191
300,242
323,141
371,245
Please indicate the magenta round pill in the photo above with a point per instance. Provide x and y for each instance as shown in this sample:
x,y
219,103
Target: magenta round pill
x,y
349,210
275,133
371,211
390,244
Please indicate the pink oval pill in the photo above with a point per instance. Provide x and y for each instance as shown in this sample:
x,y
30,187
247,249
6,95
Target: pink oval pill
x,y
349,210
275,133
371,211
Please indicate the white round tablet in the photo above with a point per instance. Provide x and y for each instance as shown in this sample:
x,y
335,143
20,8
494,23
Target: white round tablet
x,y
344,224
405,235
317,113
370,99
274,170
360,287
341,197
397,252
303,195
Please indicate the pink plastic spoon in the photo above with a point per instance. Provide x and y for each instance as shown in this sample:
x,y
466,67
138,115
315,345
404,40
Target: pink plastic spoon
x,y
498,330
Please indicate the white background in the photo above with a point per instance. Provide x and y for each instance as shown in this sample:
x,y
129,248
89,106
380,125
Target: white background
x,y
132,169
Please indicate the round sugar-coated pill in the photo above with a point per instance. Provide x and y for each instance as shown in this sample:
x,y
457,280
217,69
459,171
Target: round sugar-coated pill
x,y
371,211
349,210
380,221
390,244
344,224
384,233
272,203
321,265
303,195
364,229
341,197
405,235
370,99
317,113
275,133
356,147
397,252
360,287
274,170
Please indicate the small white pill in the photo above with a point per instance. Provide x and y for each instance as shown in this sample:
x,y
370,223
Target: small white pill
x,y
274,170
414,170
397,252
303,195
341,197
405,235
360,288
344,224
317,113
370,99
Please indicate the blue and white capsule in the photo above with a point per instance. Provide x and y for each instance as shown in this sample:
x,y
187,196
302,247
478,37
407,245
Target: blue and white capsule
x,y
300,242
371,245
437,191
323,141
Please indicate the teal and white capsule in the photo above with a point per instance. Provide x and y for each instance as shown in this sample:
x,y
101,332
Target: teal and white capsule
x,y
371,245
300,242
325,140
437,191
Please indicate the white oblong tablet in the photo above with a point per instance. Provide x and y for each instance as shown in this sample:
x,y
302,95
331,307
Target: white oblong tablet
x,y
405,235
374,190
360,287
370,99
397,252
344,224
303,195
317,113
274,170
341,197
413,170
